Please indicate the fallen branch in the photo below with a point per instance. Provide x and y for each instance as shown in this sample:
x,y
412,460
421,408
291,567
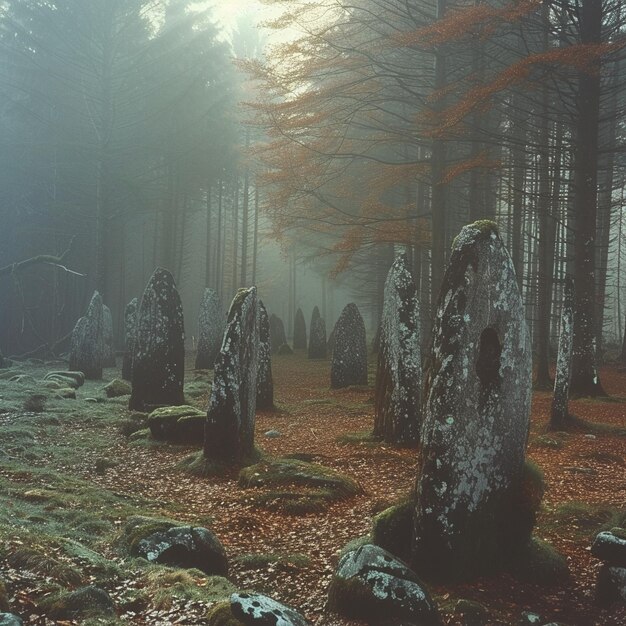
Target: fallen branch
x,y
45,259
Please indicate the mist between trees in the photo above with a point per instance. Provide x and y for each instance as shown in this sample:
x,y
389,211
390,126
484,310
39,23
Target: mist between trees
x,y
147,135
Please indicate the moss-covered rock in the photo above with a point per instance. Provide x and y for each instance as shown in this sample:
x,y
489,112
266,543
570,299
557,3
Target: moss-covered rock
x,y
117,388
85,602
139,527
392,529
472,613
182,424
10,619
541,563
221,615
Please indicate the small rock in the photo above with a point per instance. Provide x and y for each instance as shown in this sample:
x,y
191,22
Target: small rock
x,y
609,548
590,436
528,618
184,546
117,388
259,610
474,613
68,378
10,619
66,394
177,423
273,434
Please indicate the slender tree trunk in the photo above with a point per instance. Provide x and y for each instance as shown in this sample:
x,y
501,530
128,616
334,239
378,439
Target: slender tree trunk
x,y
585,379
244,229
255,241
208,245
235,236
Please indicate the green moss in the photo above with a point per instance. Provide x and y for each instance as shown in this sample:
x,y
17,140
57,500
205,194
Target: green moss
x,y
354,544
363,437
619,532
5,606
262,560
117,388
393,529
166,584
39,561
585,520
221,615
139,527
540,563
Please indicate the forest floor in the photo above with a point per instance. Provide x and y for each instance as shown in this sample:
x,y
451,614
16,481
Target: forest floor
x,y
70,478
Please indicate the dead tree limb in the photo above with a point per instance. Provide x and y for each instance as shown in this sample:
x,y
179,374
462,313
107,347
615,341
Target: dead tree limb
x,y
41,259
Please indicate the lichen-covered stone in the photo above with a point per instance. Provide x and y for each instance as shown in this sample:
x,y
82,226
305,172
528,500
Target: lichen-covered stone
x,y
265,382
277,332
159,358
476,422
180,424
254,609
611,585
299,331
68,379
210,330
130,332
372,585
10,619
610,548
399,375
87,344
185,546
117,388
349,361
108,356
229,431
317,336
560,411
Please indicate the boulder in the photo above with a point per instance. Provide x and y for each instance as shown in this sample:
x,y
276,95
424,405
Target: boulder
x,y
471,516
349,360
370,584
130,332
187,547
299,331
611,585
277,332
317,336
108,356
10,619
83,602
610,548
87,344
398,418
159,358
254,609
117,388
181,424
229,431
210,330
265,383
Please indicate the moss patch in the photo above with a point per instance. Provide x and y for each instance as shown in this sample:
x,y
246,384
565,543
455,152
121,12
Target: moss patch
x,y
392,529
221,615
540,563
584,520
263,560
308,487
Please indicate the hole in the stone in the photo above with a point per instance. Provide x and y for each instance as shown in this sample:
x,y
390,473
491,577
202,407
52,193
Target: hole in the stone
x,y
255,603
488,362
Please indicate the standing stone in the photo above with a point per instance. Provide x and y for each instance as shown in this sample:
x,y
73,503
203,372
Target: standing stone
x,y
277,332
210,330
87,346
399,375
299,331
108,358
317,336
265,383
229,431
158,370
349,362
130,332
559,416
469,514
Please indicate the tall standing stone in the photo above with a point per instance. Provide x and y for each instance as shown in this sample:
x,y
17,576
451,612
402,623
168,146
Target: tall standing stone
x,y
265,383
210,330
349,361
130,332
299,331
229,430
277,332
158,370
559,417
469,514
317,336
87,344
399,374
108,358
